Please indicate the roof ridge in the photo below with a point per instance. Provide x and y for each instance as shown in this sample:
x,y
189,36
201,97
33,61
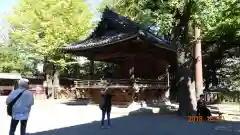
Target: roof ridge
x,y
105,15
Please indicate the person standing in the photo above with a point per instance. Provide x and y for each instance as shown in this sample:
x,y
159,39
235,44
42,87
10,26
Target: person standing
x,y
22,107
105,106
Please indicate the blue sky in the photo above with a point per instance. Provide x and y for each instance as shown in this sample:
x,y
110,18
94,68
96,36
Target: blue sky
x,y
6,5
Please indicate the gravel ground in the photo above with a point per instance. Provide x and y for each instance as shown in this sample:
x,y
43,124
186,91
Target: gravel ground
x,y
54,118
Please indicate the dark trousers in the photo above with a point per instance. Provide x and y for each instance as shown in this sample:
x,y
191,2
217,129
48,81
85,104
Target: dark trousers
x,y
14,124
205,113
104,112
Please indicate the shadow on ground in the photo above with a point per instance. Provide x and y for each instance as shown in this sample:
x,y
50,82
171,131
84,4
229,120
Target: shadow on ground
x,y
149,125
147,122
83,102
75,102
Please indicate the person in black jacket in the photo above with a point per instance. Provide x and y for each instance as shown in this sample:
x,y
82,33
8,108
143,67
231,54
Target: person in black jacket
x,y
202,109
105,106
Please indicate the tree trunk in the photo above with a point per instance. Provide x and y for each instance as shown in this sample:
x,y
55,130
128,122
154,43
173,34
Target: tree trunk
x,y
187,96
48,69
49,81
186,87
56,81
185,80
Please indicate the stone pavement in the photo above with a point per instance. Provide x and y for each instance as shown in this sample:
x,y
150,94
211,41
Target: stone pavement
x,y
59,119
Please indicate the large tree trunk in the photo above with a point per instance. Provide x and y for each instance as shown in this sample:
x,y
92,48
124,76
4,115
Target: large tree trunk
x,y
185,83
186,87
56,81
48,69
173,84
49,76
187,96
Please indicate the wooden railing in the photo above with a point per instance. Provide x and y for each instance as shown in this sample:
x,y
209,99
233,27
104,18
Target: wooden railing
x,y
102,83
121,83
151,83
6,87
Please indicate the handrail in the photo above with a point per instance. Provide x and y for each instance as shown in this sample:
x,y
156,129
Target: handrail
x,y
122,80
120,83
6,87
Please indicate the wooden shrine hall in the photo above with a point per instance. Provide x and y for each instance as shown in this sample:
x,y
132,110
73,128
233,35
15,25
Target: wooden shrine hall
x,y
143,59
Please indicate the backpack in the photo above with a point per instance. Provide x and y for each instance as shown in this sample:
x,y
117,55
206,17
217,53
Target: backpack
x,y
102,102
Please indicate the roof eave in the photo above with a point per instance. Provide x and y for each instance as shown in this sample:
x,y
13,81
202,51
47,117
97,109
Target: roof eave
x,y
160,43
79,48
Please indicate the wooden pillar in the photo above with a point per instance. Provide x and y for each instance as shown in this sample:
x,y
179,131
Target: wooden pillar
x,y
198,65
136,89
91,69
132,69
167,93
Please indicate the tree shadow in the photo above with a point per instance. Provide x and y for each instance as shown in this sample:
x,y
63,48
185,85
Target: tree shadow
x,y
151,125
85,102
76,102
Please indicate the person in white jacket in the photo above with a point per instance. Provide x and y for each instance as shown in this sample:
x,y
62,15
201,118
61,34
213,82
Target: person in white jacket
x,y
21,108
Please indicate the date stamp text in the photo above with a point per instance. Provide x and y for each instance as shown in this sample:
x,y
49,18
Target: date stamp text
x,y
200,118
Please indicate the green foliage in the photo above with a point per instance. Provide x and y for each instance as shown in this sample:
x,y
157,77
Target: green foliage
x,y
145,12
221,19
210,15
230,74
41,27
10,59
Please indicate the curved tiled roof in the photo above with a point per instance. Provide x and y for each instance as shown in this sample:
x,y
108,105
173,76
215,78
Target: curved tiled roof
x,y
101,41
113,28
